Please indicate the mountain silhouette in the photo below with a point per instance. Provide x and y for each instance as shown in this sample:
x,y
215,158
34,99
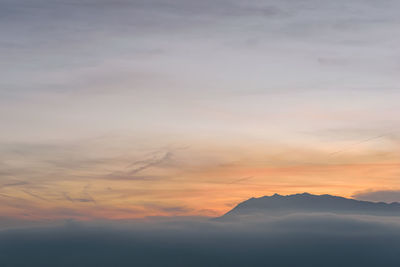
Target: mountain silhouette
x,y
308,203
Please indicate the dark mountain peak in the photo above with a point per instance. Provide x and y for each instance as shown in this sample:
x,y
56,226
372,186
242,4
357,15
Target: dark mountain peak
x,y
305,194
309,203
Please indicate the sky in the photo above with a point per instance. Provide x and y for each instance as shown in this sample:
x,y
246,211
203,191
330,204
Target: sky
x,y
134,108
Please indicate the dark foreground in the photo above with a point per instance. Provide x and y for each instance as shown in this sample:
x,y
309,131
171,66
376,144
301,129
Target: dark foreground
x,y
298,240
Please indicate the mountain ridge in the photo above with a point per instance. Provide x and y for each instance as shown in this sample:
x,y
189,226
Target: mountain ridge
x,y
308,203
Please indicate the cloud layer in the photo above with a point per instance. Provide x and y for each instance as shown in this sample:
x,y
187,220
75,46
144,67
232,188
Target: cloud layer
x,y
301,240
387,196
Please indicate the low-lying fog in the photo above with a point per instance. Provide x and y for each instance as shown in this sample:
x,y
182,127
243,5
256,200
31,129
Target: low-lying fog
x,y
319,239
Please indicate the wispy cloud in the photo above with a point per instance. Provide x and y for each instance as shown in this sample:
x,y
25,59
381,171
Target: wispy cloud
x,y
12,184
387,196
85,196
141,165
138,166
34,195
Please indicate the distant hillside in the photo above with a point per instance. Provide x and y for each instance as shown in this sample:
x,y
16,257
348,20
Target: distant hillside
x,y
308,203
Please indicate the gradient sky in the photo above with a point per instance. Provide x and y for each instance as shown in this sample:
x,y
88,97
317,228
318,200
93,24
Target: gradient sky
x,y
133,108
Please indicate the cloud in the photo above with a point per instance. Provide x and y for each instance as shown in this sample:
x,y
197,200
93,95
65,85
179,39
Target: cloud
x,y
163,208
34,195
387,196
32,159
81,199
12,184
240,180
141,165
85,196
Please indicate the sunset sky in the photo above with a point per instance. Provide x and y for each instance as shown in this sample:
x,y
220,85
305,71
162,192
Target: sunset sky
x,y
134,108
